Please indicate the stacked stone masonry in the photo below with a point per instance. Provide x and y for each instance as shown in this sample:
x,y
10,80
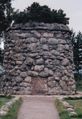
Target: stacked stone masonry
x,y
38,59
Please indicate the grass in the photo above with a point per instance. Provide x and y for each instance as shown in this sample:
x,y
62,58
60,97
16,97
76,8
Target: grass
x,y
61,109
3,100
77,104
13,113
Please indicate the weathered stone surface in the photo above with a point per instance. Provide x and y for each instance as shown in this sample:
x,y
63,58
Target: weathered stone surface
x,y
43,74
32,73
19,79
39,61
43,40
29,61
53,41
23,74
65,62
38,55
52,84
28,79
18,62
47,35
45,47
39,68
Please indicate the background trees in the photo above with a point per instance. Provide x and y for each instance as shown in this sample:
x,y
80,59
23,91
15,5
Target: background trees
x,y
77,51
39,13
5,14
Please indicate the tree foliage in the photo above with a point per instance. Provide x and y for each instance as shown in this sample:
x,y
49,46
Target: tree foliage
x,y
5,14
39,13
77,49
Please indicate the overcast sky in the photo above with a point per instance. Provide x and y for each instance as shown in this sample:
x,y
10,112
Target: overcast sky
x,y
73,9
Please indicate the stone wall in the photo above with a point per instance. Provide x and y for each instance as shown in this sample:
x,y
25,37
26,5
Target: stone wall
x,y
39,59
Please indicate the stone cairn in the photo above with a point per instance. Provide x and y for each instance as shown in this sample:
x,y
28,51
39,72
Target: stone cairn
x,y
38,59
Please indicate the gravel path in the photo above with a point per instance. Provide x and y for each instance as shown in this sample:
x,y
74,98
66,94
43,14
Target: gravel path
x,y
38,107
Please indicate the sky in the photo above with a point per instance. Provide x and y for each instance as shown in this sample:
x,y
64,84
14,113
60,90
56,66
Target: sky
x,y
73,9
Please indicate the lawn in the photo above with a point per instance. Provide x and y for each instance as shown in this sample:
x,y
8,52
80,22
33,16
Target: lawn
x,y
77,104
13,113
61,109
3,100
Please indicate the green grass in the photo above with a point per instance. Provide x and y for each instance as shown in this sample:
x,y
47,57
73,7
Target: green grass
x,y
3,100
61,109
12,114
77,103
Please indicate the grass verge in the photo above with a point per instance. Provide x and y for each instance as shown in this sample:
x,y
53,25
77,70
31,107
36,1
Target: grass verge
x,y
77,104
61,109
13,113
4,99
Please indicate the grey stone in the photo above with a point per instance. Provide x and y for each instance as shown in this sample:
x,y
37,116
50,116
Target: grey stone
x,y
33,55
19,79
22,35
32,73
29,61
67,47
63,85
52,84
53,41
48,71
45,47
39,68
39,61
36,33
19,62
28,79
43,74
47,35
65,62
43,40
23,74
73,114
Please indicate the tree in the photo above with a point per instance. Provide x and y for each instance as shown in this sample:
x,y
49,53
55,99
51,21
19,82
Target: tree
x,y
5,14
39,13
77,51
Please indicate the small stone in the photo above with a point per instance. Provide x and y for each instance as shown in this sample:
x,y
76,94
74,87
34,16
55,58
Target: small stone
x,y
18,79
39,61
52,84
67,47
29,61
2,113
73,114
32,73
33,55
65,62
67,105
50,72
47,35
45,47
43,40
37,34
52,41
39,68
44,74
18,62
23,74
28,79
70,109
